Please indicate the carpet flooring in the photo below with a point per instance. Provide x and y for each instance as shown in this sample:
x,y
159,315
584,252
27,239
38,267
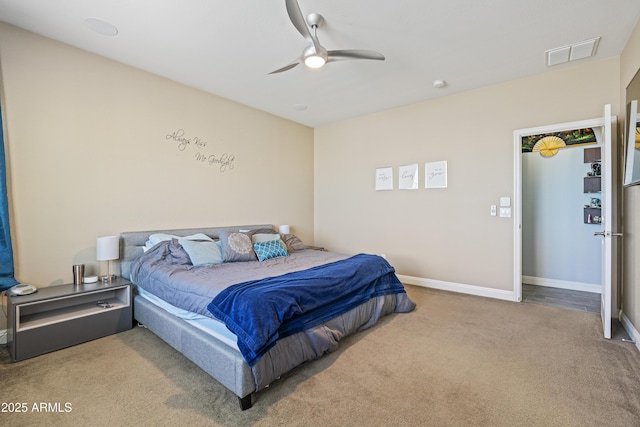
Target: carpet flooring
x,y
457,360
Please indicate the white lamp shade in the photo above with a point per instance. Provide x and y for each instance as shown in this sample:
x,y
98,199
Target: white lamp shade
x,y
107,248
284,229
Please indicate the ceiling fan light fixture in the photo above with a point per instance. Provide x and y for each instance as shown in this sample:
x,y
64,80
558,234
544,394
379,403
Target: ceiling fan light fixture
x,y
314,61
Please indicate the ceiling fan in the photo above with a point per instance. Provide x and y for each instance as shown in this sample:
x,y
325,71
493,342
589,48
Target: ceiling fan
x,y
315,56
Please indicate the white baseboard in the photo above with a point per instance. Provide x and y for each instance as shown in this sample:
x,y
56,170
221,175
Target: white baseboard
x,y
458,287
633,332
562,284
3,337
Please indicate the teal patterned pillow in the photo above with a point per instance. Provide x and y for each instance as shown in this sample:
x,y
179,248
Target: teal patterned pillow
x,y
270,249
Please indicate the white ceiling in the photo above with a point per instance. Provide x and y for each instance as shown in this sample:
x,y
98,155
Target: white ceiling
x,y
228,47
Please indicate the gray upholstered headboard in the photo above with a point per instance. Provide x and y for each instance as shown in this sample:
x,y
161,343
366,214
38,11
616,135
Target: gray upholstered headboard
x,y
132,242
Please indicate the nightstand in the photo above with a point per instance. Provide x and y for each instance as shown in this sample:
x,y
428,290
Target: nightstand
x,y
56,317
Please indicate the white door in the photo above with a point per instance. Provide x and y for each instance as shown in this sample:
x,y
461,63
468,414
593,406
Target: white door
x,y
608,223
607,200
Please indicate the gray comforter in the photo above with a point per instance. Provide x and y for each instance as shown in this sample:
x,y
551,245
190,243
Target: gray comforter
x,y
166,271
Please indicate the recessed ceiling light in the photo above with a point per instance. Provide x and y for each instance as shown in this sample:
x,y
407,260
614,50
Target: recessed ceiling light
x,y
439,84
299,107
101,27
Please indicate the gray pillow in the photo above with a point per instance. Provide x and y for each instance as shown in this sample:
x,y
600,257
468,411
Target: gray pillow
x,y
261,231
293,242
236,247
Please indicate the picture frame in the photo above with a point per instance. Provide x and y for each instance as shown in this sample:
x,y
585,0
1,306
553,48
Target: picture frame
x,y
408,177
435,174
384,179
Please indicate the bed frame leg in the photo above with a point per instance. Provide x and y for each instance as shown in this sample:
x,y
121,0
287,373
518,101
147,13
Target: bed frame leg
x,y
245,402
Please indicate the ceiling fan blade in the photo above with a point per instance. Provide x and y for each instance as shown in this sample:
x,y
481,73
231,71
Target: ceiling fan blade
x,y
297,19
285,68
337,55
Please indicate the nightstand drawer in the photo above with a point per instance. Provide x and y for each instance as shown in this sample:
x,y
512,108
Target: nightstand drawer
x,y
55,336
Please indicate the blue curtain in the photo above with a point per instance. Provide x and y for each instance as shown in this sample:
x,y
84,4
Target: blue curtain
x,y
6,253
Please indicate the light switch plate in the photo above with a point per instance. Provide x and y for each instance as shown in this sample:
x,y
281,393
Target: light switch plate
x,y
494,210
505,202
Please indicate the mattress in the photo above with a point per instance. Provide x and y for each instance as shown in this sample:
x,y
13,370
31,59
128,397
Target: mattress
x,y
210,326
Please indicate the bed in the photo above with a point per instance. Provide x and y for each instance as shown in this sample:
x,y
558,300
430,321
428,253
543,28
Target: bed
x,y
193,287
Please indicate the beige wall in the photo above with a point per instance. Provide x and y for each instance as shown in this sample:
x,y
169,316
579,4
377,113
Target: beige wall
x,y
445,234
629,65
88,156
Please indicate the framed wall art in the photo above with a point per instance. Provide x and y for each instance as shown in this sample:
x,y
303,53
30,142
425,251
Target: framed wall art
x,y
408,177
435,175
384,179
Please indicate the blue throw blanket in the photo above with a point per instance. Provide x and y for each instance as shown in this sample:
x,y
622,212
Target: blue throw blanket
x,y
261,311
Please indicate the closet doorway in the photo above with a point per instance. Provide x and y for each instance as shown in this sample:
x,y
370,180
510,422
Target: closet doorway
x,y
559,242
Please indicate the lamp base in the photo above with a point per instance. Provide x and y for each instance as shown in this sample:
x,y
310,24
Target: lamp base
x,y
108,278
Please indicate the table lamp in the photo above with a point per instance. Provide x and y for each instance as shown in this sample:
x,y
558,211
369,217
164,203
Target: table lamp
x,y
284,229
108,249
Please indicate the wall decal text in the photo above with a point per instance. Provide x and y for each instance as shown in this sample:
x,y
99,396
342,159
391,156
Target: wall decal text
x,y
224,162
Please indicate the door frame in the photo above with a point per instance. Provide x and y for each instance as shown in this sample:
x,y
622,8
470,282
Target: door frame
x,y
517,191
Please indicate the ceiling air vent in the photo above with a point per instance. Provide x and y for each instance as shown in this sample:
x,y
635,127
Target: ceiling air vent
x,y
572,52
